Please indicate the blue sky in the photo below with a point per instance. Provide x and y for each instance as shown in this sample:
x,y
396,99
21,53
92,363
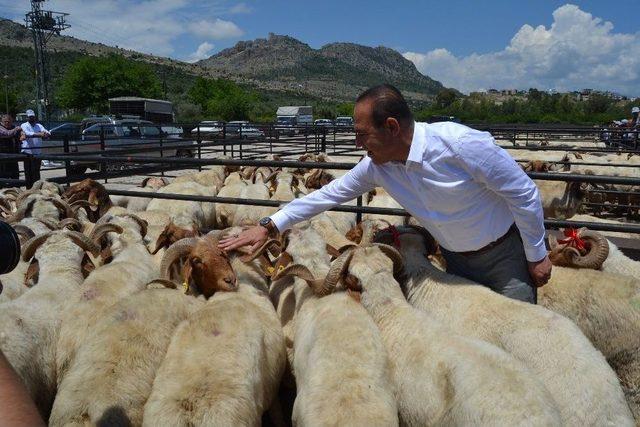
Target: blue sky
x,y
469,45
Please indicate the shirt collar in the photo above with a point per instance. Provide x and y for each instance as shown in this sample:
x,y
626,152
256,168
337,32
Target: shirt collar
x,y
417,145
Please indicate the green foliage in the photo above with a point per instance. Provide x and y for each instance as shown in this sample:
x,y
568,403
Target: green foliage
x,y
345,109
445,98
221,99
90,82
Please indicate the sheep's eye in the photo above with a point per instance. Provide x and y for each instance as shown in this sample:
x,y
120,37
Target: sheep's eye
x,y
196,261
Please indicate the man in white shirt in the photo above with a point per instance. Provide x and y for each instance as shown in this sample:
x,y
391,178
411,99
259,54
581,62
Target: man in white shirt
x,y
465,190
34,132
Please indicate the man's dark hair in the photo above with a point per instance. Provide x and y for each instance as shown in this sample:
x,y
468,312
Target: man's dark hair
x,y
387,102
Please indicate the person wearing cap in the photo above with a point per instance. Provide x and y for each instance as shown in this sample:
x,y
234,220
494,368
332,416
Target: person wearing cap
x,y
9,143
469,193
34,132
635,114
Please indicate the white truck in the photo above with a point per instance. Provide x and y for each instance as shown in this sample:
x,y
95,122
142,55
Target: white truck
x,y
293,119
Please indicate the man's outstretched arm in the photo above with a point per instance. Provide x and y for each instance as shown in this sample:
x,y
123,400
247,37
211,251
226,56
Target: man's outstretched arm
x,y
16,406
354,183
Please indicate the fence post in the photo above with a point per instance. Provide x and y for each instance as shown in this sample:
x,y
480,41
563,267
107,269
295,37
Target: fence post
x,y
224,140
103,164
323,142
162,154
65,148
199,140
359,214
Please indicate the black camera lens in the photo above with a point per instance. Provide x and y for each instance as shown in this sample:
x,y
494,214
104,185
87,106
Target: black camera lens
x,y
9,248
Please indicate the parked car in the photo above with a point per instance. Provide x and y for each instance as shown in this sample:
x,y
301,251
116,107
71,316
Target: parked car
x,y
323,122
435,119
70,130
125,135
209,128
243,129
344,121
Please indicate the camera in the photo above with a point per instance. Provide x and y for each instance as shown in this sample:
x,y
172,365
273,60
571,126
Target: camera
x,y
9,248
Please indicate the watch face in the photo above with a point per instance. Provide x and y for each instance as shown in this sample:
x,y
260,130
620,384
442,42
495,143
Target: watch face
x,y
265,221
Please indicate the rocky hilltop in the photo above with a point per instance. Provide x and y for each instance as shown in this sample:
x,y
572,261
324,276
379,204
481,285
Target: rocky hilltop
x,y
336,72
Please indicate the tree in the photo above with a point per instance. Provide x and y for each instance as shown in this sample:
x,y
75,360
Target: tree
x,y
345,109
90,82
221,99
445,98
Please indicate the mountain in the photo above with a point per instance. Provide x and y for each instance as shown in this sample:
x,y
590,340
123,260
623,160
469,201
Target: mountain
x,y
277,64
337,70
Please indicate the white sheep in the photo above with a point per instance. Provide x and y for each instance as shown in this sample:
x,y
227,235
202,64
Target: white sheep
x,y
187,213
441,378
339,361
225,362
583,385
131,268
114,368
29,324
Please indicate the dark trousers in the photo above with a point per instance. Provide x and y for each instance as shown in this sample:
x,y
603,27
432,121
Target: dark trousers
x,y
9,169
32,170
503,268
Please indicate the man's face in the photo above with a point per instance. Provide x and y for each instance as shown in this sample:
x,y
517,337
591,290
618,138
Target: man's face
x,y
31,119
379,143
7,122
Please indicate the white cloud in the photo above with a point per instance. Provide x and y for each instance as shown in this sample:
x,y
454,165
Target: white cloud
x,y
216,30
577,51
149,26
240,8
203,52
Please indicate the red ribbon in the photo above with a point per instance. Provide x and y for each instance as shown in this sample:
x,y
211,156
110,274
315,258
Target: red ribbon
x,y
573,239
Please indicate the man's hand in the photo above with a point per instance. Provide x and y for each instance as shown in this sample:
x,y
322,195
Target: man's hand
x,y
540,271
253,237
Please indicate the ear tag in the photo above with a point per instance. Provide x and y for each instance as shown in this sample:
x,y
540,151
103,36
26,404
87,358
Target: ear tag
x,y
270,270
185,287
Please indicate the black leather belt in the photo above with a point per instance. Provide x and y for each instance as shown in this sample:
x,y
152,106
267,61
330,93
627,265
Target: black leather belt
x,y
510,231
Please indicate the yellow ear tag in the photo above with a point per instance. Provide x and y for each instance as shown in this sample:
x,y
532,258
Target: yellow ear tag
x,y
185,287
270,270
280,268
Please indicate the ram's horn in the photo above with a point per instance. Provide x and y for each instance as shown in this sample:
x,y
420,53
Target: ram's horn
x,y
79,204
102,229
21,212
49,224
71,224
5,205
162,284
368,232
265,246
61,204
23,231
25,194
141,223
553,242
84,242
179,249
394,255
598,252
13,192
303,272
336,270
33,244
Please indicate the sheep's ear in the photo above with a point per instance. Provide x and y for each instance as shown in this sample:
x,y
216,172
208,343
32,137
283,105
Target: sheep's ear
x,y
355,234
370,195
33,274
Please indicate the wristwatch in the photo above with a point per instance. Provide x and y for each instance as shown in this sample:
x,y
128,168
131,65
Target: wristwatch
x,y
267,223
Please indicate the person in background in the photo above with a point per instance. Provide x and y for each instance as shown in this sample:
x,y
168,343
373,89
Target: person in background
x,y
635,117
9,143
16,407
34,133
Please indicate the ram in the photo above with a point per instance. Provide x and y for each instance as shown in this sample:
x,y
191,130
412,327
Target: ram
x,y
441,378
584,386
187,214
29,324
224,363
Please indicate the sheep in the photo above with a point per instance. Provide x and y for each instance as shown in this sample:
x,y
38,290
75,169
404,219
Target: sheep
x,y
48,208
130,269
340,365
29,324
92,192
233,187
561,199
584,386
139,204
113,372
285,186
441,378
229,215
187,214
238,336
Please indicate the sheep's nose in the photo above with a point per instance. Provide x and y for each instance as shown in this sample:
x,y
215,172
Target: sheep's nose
x,y
231,281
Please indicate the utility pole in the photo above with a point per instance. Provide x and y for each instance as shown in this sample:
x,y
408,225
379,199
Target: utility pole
x,y
6,90
43,24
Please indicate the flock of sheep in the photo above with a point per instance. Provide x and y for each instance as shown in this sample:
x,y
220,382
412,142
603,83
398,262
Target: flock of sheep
x,y
123,311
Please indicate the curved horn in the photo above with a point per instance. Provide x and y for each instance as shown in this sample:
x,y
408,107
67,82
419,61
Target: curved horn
x,y
368,232
266,245
49,224
13,192
25,194
162,284
5,204
335,272
553,242
394,255
79,204
23,231
33,244
71,224
598,252
141,223
21,212
303,272
102,229
271,175
38,184
84,242
61,204
177,250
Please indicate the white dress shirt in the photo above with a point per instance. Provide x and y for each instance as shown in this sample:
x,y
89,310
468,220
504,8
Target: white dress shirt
x,y
461,186
32,144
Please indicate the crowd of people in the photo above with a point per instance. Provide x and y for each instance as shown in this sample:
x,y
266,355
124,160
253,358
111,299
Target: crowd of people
x,y
26,138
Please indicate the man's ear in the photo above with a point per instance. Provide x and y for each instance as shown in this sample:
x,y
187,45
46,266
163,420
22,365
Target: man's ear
x,y
393,126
